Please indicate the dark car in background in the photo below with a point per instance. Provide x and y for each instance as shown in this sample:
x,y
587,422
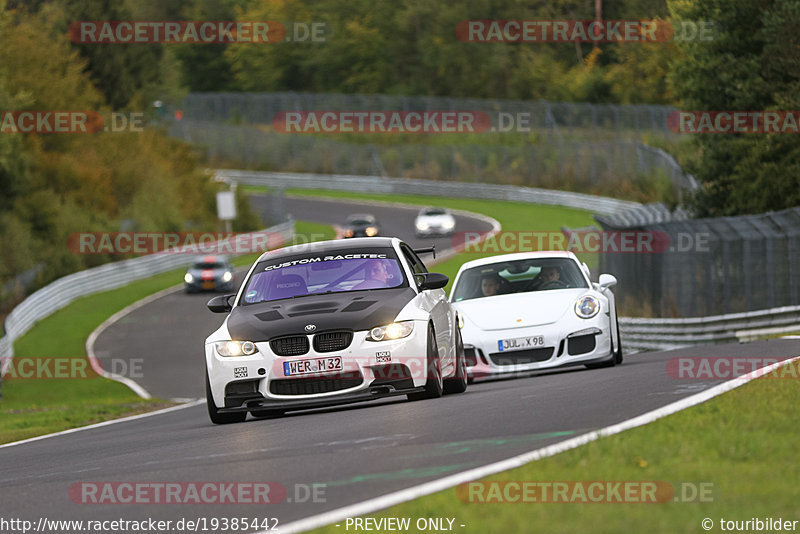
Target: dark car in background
x,y
209,273
361,225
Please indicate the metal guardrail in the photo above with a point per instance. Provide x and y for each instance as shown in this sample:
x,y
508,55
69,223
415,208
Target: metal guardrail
x,y
666,334
637,333
63,291
409,186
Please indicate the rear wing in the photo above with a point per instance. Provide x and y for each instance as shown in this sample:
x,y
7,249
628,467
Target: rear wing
x,y
426,250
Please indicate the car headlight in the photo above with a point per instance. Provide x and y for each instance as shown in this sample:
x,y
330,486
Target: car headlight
x,y
422,225
391,331
348,233
371,231
449,224
227,277
188,278
587,307
235,348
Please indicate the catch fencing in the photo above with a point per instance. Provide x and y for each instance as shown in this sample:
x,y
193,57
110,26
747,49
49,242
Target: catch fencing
x,y
717,266
575,146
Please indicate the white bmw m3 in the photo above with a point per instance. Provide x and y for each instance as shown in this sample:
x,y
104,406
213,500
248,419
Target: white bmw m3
x,y
534,310
329,323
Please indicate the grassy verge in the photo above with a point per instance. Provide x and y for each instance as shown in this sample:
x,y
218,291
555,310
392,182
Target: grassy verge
x,y
34,407
740,447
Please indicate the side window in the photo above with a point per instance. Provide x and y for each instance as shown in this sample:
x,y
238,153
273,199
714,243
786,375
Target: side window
x,y
416,264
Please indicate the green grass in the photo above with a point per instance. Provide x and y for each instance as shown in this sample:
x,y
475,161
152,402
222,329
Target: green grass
x,y
512,216
34,407
741,445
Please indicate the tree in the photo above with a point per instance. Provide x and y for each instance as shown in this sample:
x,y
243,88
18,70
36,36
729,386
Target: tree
x,y
752,64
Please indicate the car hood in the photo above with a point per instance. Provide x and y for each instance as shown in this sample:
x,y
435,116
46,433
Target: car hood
x,y
350,310
519,309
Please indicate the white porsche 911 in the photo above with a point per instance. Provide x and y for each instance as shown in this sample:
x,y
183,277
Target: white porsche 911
x,y
534,310
329,323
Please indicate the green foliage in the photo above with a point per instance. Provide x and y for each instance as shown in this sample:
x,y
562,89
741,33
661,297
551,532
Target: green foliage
x,y
55,185
753,63
381,46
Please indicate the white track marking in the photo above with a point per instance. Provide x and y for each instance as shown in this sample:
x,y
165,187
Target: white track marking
x,y
391,499
137,388
106,423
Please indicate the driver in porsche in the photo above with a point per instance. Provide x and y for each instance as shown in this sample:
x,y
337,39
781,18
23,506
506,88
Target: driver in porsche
x,y
548,278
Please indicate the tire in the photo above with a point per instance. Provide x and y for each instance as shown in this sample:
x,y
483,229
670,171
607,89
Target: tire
x,y
221,418
618,352
434,386
458,384
616,357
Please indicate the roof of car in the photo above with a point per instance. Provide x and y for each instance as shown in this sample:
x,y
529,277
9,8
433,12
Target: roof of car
x,y
360,216
338,244
211,259
519,256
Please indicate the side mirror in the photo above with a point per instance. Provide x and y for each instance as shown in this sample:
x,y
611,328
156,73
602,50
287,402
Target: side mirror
x,y
220,304
606,280
431,280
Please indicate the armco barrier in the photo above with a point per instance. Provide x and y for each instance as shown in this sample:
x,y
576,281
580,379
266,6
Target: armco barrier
x,y
666,334
637,333
408,186
63,291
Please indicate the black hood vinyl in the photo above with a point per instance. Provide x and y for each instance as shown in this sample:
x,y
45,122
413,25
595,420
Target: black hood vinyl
x,y
349,310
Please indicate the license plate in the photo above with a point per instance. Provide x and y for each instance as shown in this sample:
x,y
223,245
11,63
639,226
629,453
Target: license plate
x,y
208,285
318,365
519,343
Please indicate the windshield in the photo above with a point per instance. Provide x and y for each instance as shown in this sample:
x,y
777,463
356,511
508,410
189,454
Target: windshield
x,y
521,276
329,272
434,211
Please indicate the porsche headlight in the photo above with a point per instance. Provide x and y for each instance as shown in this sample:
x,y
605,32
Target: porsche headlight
x,y
348,233
587,307
391,331
422,225
449,224
188,278
371,231
227,277
235,348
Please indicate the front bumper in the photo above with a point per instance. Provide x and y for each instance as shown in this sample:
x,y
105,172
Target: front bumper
x,y
370,370
434,231
571,342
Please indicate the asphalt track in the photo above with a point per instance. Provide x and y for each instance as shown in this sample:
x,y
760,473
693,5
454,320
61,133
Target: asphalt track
x,y
357,452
